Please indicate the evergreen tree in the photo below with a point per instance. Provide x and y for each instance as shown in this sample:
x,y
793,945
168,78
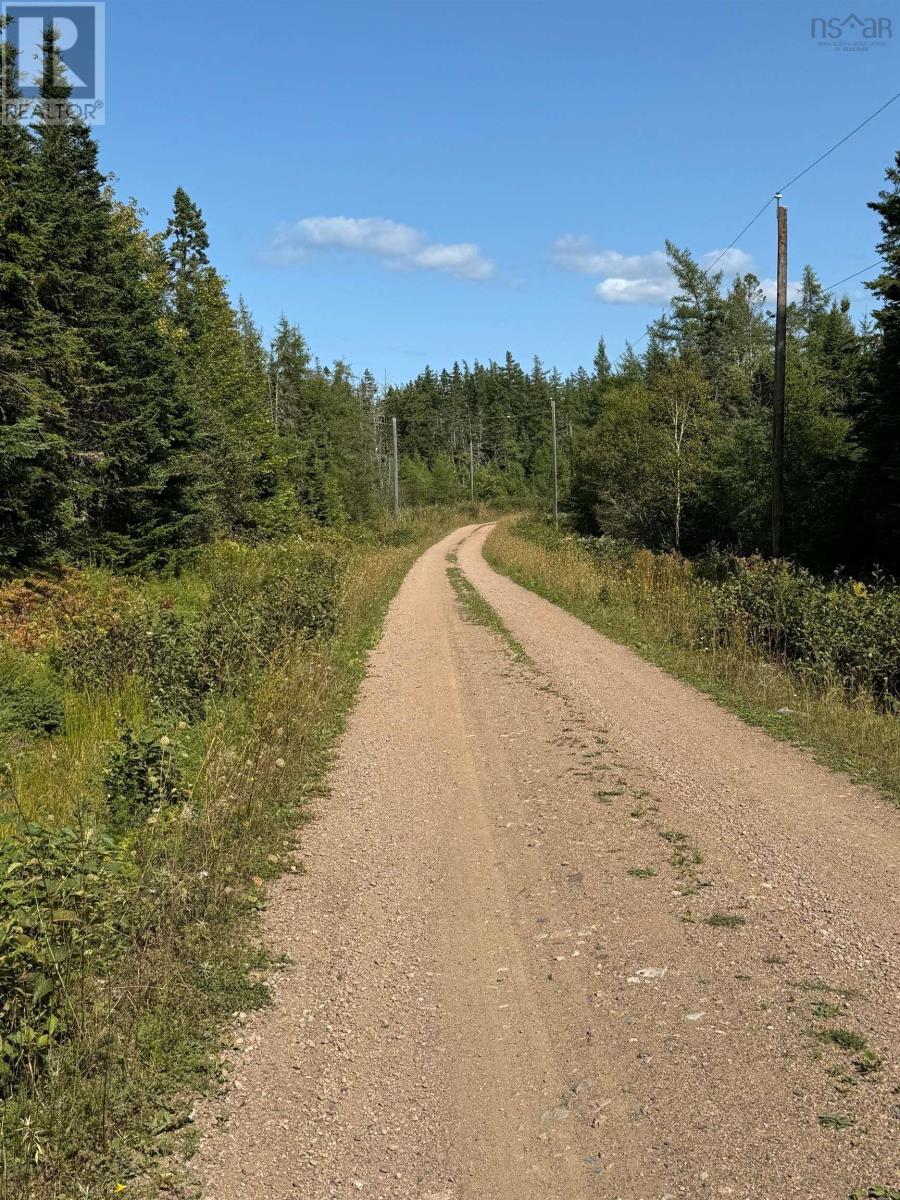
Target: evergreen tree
x,y
880,422
187,243
223,380
34,366
129,432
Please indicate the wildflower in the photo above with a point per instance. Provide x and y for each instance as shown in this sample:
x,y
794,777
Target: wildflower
x,y
164,741
182,724
858,588
279,763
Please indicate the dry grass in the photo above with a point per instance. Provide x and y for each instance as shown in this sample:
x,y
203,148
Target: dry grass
x,y
55,776
649,606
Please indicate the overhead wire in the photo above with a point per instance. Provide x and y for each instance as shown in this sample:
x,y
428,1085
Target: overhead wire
x,y
780,192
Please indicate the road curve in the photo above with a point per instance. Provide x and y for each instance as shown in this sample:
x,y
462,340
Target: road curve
x,y
567,930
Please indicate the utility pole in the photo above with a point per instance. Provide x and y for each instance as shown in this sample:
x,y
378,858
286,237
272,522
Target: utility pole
x,y
555,483
778,394
471,471
396,471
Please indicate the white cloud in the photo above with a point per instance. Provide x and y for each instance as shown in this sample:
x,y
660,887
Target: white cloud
x,y
729,262
616,290
579,254
770,290
399,247
636,278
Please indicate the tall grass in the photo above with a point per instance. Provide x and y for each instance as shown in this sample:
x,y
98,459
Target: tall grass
x,y
660,606
138,845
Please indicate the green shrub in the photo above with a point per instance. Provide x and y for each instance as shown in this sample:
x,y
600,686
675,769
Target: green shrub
x,y
176,667
165,649
262,597
842,633
30,695
60,911
142,777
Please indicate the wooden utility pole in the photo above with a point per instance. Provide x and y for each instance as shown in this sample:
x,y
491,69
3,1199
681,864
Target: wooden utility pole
x,y
555,482
778,395
471,471
396,471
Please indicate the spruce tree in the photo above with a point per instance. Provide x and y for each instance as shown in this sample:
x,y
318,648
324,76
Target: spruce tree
x,y
130,432
187,244
34,513
225,386
880,422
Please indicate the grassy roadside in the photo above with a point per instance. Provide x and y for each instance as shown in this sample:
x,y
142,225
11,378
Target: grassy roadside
x,y
144,812
655,614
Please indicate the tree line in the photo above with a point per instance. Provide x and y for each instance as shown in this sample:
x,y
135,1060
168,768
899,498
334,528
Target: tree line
x,y
670,448
142,413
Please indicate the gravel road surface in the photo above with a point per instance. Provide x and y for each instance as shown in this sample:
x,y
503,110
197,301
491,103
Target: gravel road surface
x,y
566,929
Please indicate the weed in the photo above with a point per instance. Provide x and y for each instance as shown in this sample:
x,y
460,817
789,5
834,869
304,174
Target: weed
x,y
844,1039
867,1063
477,610
607,795
62,902
142,778
642,872
825,1011
723,920
836,1121
818,985
686,857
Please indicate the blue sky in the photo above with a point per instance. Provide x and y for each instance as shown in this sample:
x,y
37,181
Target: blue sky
x,y
419,181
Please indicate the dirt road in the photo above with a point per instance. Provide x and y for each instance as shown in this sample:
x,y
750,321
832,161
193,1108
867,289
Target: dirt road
x,y
567,930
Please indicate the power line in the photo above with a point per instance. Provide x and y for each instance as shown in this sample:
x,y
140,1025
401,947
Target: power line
x,y
845,138
862,271
784,187
738,237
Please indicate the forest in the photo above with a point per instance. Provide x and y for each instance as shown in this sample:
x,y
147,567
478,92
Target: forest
x,y
197,550
670,448
145,414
